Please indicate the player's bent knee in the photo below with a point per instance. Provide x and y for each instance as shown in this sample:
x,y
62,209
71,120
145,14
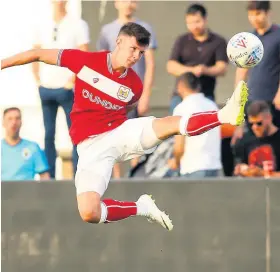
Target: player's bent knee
x,y
89,207
90,216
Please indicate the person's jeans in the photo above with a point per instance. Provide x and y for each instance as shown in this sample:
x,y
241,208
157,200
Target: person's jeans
x,y
202,174
51,99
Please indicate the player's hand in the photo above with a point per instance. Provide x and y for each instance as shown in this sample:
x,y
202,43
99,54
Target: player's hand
x,y
143,105
276,101
198,70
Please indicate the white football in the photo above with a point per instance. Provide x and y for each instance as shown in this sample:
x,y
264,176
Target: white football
x,y
245,50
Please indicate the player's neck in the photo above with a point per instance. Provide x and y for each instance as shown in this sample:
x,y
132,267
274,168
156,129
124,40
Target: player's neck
x,y
116,67
264,29
58,15
12,140
123,19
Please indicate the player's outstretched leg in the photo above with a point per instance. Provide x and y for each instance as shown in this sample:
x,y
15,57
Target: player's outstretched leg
x,y
197,123
94,210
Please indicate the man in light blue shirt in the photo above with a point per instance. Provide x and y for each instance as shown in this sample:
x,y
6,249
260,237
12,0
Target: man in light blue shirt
x,y
20,159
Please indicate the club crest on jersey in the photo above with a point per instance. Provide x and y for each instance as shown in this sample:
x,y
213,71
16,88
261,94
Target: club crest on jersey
x,y
123,92
26,153
95,80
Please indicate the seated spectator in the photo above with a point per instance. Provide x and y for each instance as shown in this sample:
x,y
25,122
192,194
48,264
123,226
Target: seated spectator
x,y
200,156
261,146
20,159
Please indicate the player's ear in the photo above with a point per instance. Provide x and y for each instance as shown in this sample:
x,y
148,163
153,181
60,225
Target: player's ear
x,y
118,41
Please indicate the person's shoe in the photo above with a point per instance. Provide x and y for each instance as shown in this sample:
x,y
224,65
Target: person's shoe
x,y
154,214
234,110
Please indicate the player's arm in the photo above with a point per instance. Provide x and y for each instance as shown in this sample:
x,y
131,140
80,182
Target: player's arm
x,y
48,56
241,74
36,67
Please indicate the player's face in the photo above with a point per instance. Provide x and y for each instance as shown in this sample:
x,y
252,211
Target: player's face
x,y
125,7
260,124
196,24
12,123
258,18
129,51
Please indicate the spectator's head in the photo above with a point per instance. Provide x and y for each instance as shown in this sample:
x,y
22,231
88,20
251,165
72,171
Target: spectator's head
x,y
188,83
126,8
196,19
12,122
132,41
258,13
260,118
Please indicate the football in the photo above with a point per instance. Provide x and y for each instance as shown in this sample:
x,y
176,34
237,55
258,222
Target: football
x,y
245,50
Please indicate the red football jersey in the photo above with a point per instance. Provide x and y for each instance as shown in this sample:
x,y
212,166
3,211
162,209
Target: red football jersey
x,y
101,96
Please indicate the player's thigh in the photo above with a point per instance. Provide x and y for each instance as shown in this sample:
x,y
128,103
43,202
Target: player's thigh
x,y
94,169
129,137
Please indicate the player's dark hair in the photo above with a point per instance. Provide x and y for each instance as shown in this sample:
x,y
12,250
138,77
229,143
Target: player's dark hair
x,y
141,34
11,109
257,107
196,8
190,80
258,5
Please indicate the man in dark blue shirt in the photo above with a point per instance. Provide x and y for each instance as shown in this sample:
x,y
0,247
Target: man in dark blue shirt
x,y
264,79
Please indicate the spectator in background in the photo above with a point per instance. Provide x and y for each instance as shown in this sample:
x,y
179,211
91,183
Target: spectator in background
x,y
253,151
20,159
145,68
55,83
200,156
263,79
200,51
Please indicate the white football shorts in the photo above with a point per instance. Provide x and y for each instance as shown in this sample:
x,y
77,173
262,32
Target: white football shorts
x,y
98,154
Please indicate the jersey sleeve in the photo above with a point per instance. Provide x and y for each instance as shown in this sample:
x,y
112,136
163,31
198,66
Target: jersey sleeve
x,y
73,59
40,160
138,87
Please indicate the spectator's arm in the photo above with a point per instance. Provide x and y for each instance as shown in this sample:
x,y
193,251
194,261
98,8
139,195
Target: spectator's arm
x,y
176,69
179,147
275,174
102,43
174,66
240,74
48,56
44,176
36,67
276,100
143,105
40,163
220,67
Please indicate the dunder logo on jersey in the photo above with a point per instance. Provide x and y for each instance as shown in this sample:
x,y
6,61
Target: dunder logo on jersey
x,y
123,93
97,100
95,80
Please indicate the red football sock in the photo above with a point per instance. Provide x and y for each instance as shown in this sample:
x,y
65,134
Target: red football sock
x,y
201,122
119,210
